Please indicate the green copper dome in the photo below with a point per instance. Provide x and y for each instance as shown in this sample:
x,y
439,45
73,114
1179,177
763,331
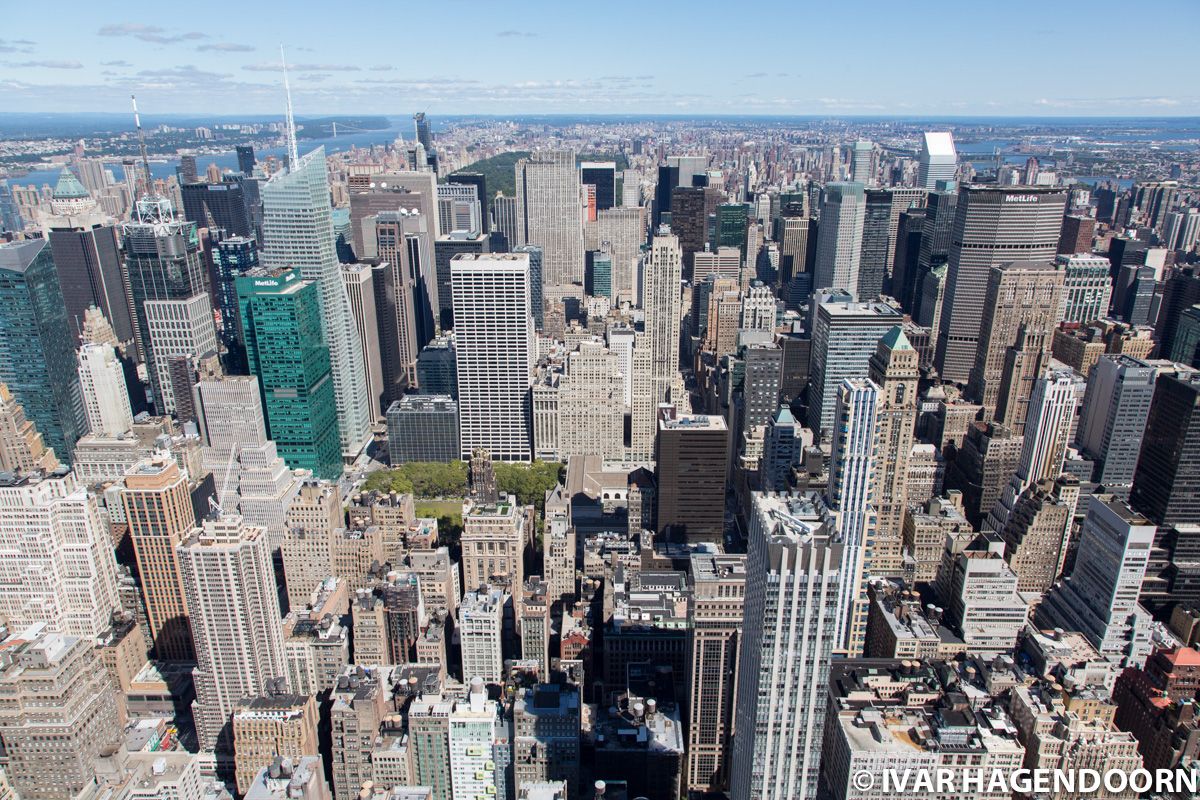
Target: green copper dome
x,y
69,187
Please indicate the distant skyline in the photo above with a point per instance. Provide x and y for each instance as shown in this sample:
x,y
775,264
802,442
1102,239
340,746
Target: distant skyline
x,y
982,58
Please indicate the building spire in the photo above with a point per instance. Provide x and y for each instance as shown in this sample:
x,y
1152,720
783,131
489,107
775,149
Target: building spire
x,y
137,122
293,150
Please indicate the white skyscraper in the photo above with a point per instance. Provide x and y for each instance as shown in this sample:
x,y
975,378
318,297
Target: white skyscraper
x,y
178,328
494,343
1047,433
550,215
792,608
471,738
298,232
231,599
56,557
655,355
102,382
839,238
938,159
851,476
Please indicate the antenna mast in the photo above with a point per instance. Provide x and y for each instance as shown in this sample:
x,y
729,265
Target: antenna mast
x,y
137,121
293,150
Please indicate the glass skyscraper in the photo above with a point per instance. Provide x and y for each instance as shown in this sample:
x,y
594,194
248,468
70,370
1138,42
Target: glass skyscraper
x,y
37,357
281,326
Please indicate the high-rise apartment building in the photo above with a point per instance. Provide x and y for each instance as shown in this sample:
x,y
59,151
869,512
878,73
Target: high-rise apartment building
x,y
937,161
495,351
718,605
281,326
839,238
56,556
157,504
298,233
550,215
792,608
993,225
37,358
230,589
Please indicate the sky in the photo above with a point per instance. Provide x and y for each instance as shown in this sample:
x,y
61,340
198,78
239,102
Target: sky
x,y
862,57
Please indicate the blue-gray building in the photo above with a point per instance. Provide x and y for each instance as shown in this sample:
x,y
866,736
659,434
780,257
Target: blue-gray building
x,y
37,354
437,368
423,427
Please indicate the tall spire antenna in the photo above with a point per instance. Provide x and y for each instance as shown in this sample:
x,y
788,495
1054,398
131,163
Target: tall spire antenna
x,y
293,150
137,121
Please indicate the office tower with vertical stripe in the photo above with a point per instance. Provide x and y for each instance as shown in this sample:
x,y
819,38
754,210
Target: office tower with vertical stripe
x,y
551,215
839,237
298,232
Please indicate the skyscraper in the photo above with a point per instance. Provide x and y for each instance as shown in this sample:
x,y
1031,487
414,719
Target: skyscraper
x,y
281,325
157,504
894,369
245,159
1087,287
168,282
231,599
298,232
1113,418
839,239
938,160
1166,483
424,134
693,461
993,225
364,306
602,175
550,214
794,578
495,352
102,385
37,358
232,257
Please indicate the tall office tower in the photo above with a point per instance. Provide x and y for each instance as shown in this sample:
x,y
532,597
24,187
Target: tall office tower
x,y
783,444
793,587
762,375
231,595
537,299
232,257
22,448
758,308
59,715
1020,312
1168,472
875,255
662,304
993,225
424,134
1181,230
894,369
1047,435
495,352
1153,199
458,209
1078,231
839,239
732,225
169,286
281,325
550,215
157,505
245,159
718,605
507,217
187,169
602,175
624,229
845,335
481,627
37,359
546,731
689,222
445,249
298,232
938,160
941,208
1087,287
56,561
1035,537
493,543
360,289
851,482
479,181
905,267
693,462
902,200
87,257
591,409
222,205
862,163
1100,596
1113,417
402,308
102,385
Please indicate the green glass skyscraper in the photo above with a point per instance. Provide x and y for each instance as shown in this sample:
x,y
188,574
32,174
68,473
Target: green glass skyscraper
x,y
281,326
37,356
732,224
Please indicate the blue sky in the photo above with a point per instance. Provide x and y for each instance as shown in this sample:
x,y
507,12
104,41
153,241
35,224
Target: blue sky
x,y
1053,57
